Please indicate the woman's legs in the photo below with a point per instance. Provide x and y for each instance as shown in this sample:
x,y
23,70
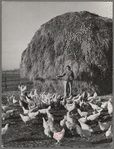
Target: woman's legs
x,y
65,88
70,87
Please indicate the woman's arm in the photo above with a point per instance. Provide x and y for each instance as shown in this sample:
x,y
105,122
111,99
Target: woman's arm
x,y
62,75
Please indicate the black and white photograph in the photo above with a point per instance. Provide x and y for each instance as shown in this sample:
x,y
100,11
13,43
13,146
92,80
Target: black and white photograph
x,y
57,74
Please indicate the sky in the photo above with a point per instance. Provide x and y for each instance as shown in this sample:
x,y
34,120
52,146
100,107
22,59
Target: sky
x,y
20,21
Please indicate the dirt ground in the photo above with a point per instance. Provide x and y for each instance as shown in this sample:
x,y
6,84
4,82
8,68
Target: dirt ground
x,y
21,135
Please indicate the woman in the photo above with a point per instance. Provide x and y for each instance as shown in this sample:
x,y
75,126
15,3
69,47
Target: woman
x,y
68,77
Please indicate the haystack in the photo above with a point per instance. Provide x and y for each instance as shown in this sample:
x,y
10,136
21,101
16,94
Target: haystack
x,y
82,40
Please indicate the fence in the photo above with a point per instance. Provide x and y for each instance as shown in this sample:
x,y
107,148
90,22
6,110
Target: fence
x,y
11,80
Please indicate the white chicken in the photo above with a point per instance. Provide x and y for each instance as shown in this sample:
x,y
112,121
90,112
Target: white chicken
x,y
69,118
44,111
62,122
82,114
25,111
95,95
70,126
5,108
4,130
14,100
70,107
59,136
54,97
109,133
95,107
33,114
51,125
82,132
103,126
85,126
110,107
25,118
11,112
50,115
47,130
104,105
5,116
93,117
83,119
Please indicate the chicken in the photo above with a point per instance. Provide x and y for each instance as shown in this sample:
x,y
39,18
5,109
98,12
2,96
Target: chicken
x,y
110,107
69,118
5,116
44,111
82,132
104,105
85,126
70,107
77,100
22,89
14,100
93,117
33,114
51,125
88,95
4,130
11,112
25,111
25,118
59,135
54,97
9,100
62,122
24,104
47,130
50,115
95,95
95,107
82,114
109,133
70,126
92,97
5,108
83,119
103,126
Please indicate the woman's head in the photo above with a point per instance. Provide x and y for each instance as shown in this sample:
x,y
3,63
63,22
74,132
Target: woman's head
x,y
68,67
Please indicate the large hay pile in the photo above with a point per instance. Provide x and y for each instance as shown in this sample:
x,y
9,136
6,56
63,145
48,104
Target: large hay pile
x,y
81,39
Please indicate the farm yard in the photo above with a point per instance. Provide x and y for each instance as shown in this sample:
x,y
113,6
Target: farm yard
x,y
31,134
35,114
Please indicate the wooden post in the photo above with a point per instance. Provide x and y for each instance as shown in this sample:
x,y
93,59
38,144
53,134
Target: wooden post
x,y
5,83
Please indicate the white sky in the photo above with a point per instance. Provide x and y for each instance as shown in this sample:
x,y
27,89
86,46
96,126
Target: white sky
x,y
20,21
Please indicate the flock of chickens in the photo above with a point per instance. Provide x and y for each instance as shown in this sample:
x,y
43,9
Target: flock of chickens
x,y
77,116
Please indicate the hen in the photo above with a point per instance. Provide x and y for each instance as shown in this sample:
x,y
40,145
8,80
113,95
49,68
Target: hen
x,y
59,136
